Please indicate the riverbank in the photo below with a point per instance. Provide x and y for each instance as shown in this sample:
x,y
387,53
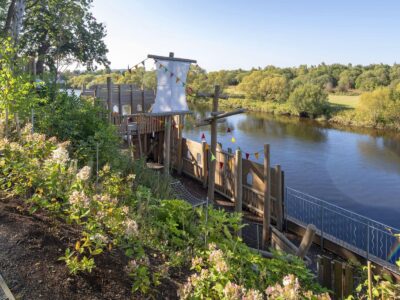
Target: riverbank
x,y
340,114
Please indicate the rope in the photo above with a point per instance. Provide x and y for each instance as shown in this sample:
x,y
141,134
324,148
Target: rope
x,y
181,192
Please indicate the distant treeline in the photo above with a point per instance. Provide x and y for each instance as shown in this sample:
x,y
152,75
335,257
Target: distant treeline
x,y
300,90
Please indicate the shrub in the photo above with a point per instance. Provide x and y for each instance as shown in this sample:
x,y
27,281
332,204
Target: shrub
x,y
309,99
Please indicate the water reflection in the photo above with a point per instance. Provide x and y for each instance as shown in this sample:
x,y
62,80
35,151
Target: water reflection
x,y
357,169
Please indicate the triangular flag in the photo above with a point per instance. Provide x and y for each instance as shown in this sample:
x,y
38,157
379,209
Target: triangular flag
x,y
177,79
161,66
143,63
247,155
207,147
203,136
228,130
189,90
233,140
256,155
212,157
166,70
172,74
181,126
221,164
183,84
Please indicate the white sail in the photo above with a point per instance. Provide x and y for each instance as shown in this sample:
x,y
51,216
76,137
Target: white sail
x,y
171,95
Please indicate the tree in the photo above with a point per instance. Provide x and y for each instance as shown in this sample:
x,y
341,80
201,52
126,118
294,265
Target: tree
x,y
309,99
273,88
60,32
374,105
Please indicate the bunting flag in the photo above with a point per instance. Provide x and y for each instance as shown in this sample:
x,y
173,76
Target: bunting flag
x,y
143,63
212,157
181,126
203,136
207,147
221,164
172,74
189,90
233,140
256,155
228,130
247,155
177,79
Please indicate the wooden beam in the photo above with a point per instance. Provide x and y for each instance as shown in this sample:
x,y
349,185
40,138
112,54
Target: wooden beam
x,y
306,241
238,192
267,198
211,174
109,98
227,114
179,150
204,163
158,57
279,197
119,101
167,144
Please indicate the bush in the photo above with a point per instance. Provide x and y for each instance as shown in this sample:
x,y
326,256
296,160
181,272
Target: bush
x,y
309,99
78,120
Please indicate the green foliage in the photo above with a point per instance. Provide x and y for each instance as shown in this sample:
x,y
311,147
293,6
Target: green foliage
x,y
62,32
380,107
85,125
15,90
309,99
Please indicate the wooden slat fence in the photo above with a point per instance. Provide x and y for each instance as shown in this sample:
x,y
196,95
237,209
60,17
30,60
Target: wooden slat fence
x,y
125,98
195,164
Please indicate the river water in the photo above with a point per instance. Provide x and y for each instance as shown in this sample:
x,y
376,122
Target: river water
x,y
356,169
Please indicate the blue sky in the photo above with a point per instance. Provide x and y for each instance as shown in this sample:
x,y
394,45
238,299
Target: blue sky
x,y
252,33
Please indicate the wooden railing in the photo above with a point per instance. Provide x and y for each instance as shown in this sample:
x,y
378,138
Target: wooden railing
x,y
195,157
140,123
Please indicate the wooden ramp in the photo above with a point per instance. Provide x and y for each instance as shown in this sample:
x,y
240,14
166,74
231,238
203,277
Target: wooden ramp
x,y
5,293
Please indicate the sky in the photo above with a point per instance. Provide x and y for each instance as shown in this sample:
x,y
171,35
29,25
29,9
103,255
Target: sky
x,y
252,33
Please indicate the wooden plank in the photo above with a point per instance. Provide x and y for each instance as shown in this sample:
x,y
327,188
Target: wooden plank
x,y
179,154
306,241
158,57
348,284
109,98
238,186
267,201
279,197
204,156
327,272
212,163
338,279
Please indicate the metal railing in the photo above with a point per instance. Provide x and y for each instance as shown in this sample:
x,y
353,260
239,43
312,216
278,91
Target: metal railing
x,y
370,239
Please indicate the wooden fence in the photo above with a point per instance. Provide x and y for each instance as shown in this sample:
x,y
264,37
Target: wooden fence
x,y
195,158
122,98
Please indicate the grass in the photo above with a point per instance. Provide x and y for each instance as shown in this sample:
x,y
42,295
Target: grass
x,y
344,101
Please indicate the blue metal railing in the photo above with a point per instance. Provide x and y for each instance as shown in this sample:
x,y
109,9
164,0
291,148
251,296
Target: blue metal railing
x,y
368,238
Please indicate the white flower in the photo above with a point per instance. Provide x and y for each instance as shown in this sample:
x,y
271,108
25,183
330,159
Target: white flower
x,y
60,156
287,280
79,198
83,174
131,227
100,237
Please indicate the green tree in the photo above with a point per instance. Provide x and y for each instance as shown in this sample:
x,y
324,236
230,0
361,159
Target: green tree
x,y
374,105
273,88
309,99
60,32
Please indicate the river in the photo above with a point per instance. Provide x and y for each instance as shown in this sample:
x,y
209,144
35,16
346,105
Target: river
x,y
356,169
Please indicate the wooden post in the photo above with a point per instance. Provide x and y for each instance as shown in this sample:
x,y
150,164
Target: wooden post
x,y
167,144
369,280
213,150
204,163
279,197
119,101
132,108
238,183
109,98
267,198
180,122
306,241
